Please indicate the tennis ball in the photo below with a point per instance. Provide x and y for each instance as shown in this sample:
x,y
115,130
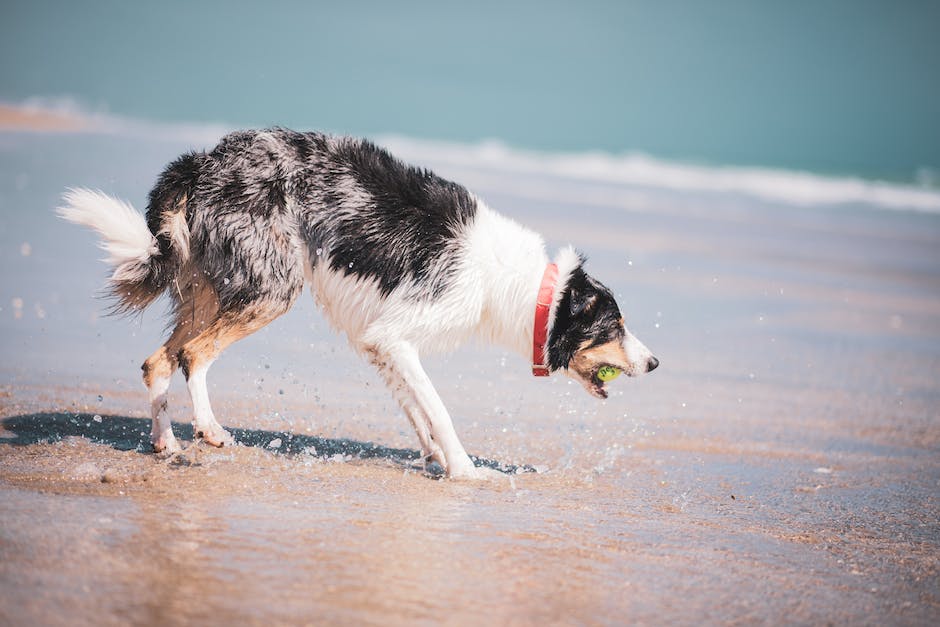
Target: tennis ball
x,y
608,373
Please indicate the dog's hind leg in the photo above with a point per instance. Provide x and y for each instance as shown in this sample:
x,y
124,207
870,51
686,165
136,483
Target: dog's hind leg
x,y
401,367
192,317
198,354
158,369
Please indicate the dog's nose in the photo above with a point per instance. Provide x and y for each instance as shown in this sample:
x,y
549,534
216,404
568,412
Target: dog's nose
x,y
652,364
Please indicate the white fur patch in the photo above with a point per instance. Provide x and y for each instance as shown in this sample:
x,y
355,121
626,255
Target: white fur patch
x,y
175,227
161,431
196,382
638,356
506,261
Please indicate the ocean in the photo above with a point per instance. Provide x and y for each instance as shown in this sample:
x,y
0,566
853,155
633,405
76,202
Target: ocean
x,y
842,88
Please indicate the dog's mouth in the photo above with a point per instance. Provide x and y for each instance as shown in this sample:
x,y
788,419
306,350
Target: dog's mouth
x,y
597,387
596,366
602,375
592,381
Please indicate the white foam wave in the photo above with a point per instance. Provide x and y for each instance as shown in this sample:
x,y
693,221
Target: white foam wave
x,y
497,164
639,170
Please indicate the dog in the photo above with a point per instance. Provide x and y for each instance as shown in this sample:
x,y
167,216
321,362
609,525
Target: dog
x,y
401,260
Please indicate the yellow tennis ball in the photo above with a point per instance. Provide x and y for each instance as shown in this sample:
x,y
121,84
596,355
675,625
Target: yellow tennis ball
x,y
608,373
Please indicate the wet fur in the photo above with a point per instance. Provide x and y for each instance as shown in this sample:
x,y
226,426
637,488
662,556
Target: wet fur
x,y
402,261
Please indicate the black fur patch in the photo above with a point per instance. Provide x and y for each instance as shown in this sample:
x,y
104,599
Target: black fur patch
x,y
404,221
586,311
176,183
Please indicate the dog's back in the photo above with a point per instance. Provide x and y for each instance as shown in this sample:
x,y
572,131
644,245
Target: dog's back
x,y
263,202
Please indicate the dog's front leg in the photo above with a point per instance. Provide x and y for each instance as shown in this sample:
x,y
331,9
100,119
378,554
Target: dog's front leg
x,y
400,389
400,365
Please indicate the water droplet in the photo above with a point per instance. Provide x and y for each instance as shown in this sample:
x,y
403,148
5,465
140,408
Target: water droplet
x,y
319,252
226,281
97,417
350,264
100,398
275,443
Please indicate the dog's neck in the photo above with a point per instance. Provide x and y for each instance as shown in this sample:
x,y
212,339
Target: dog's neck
x,y
513,259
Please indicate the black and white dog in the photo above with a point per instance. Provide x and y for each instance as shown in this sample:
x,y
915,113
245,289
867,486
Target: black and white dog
x,y
401,260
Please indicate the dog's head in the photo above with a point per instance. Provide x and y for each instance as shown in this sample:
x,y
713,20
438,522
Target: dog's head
x,y
588,333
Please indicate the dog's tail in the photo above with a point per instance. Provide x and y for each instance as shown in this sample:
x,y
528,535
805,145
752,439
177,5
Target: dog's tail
x,y
143,263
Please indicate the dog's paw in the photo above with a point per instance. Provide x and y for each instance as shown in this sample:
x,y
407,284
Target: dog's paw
x,y
476,473
166,446
214,435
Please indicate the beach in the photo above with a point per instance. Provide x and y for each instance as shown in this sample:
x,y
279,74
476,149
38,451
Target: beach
x,y
782,465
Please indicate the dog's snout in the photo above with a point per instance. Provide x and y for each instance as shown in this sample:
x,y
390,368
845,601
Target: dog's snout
x,y
652,364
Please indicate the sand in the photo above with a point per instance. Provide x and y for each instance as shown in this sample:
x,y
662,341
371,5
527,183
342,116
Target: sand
x,y
781,466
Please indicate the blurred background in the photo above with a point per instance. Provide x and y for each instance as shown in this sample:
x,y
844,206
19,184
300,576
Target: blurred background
x,y
845,87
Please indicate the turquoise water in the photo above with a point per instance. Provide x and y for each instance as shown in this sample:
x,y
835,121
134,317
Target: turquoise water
x,y
842,87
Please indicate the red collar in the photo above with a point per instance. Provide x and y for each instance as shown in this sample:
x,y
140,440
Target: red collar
x,y
543,305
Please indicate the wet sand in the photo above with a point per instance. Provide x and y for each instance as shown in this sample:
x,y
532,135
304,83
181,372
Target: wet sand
x,y
782,465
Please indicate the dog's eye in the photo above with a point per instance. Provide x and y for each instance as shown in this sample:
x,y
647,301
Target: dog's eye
x,y
582,304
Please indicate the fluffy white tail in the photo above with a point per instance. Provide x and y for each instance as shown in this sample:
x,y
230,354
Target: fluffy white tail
x,y
125,236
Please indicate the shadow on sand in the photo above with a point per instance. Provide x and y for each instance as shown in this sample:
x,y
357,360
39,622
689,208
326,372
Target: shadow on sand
x,y
133,434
